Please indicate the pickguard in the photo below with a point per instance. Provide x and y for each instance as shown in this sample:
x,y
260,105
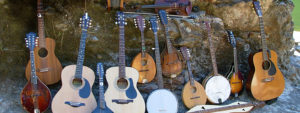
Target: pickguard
x,y
272,70
85,91
130,92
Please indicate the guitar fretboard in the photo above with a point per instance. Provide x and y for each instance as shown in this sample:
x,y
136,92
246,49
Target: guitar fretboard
x,y
81,54
212,49
158,64
143,44
41,30
168,41
121,52
101,90
263,38
33,78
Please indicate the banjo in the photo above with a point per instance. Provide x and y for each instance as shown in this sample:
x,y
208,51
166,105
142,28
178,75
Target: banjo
x,y
159,100
216,86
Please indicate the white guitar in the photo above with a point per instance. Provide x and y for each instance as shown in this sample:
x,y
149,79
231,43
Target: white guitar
x,y
75,95
161,100
122,95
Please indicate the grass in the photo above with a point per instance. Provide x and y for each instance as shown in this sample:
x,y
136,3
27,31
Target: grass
x,y
296,15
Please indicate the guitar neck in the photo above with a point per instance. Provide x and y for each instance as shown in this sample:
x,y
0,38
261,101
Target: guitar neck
x,y
168,41
212,50
191,76
158,64
81,54
143,44
263,38
236,70
121,52
33,78
41,30
101,93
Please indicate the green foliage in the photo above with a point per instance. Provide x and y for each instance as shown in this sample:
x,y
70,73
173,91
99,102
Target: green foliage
x,y
296,15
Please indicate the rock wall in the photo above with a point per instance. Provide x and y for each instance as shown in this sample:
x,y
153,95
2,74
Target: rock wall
x,y
62,19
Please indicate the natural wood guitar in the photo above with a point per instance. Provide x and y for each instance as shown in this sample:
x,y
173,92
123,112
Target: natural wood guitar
x,y
122,95
160,100
193,92
75,94
143,62
101,108
216,86
48,67
35,96
170,57
265,80
234,75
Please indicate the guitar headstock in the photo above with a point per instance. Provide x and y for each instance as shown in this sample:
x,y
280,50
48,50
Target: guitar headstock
x,y
100,70
231,38
120,19
154,24
31,40
185,53
140,23
85,21
257,8
163,17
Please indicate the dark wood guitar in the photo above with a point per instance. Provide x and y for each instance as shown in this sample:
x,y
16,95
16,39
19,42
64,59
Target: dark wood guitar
x,y
266,82
178,7
122,95
216,86
143,62
75,94
170,57
193,92
234,75
159,100
48,67
101,108
35,96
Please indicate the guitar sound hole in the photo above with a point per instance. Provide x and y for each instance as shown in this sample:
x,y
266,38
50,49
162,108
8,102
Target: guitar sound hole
x,y
77,82
43,52
122,83
266,65
144,62
194,89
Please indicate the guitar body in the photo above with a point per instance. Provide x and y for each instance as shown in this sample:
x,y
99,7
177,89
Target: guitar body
x,y
43,99
193,95
69,93
131,92
162,101
49,64
171,63
235,81
260,88
145,66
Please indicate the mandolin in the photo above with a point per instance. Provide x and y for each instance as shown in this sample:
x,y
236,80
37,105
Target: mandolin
x,y
178,7
216,86
143,62
236,107
35,96
193,92
101,108
234,75
75,94
122,95
265,80
160,99
170,57
48,67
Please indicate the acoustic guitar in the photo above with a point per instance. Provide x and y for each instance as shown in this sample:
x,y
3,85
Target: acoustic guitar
x,y
75,94
234,75
143,62
216,86
101,108
193,92
35,96
122,95
266,82
236,107
160,100
178,7
48,67
170,57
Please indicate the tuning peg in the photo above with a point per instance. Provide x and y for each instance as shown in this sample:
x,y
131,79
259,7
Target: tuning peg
x,y
150,28
116,23
37,37
153,48
158,28
125,23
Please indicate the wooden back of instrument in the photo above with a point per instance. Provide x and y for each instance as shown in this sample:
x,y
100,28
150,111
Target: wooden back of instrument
x,y
162,100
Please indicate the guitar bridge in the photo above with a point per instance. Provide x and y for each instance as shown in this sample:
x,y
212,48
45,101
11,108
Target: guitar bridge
x,y
121,101
43,70
74,104
268,79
